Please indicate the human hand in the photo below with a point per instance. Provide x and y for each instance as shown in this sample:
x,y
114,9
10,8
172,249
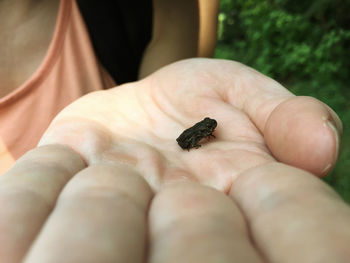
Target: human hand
x,y
126,137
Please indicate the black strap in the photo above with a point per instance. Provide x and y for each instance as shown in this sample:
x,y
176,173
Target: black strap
x,y
120,31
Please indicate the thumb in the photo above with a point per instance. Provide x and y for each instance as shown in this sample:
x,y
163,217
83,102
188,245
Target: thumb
x,y
304,132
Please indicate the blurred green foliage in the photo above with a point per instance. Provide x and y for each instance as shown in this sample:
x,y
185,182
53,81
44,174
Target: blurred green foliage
x,y
305,45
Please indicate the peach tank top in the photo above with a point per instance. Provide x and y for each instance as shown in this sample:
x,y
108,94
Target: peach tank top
x,y
69,70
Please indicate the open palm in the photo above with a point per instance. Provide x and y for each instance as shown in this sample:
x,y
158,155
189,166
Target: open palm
x,y
138,124
140,197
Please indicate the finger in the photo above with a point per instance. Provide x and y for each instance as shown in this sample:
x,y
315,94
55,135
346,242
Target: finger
x,y
303,132
297,130
100,217
300,131
293,216
28,193
194,223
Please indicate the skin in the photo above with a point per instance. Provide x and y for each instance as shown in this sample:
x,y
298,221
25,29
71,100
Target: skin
x,y
208,22
26,30
27,26
109,183
181,29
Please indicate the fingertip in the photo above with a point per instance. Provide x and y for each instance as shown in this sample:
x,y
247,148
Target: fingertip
x,y
303,132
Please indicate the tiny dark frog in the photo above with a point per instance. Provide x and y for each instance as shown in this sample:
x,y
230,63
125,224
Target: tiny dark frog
x,y
191,136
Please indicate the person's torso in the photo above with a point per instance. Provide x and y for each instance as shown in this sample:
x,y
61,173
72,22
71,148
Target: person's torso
x,y
69,70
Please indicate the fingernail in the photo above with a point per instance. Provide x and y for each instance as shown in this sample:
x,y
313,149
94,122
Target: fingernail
x,y
326,170
337,144
336,137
